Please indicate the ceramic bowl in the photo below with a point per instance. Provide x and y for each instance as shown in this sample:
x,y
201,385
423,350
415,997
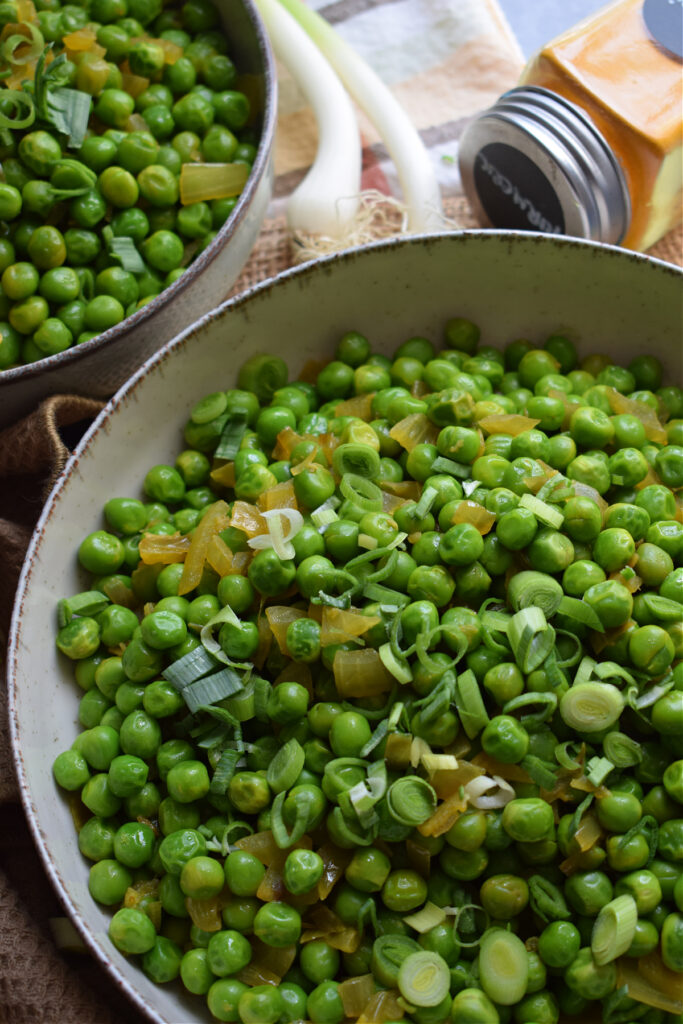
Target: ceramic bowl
x,y
513,285
97,368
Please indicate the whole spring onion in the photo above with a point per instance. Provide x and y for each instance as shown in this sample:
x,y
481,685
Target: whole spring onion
x,y
326,201
411,159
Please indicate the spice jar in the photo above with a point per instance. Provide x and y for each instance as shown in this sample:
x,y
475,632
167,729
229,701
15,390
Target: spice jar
x,y
590,143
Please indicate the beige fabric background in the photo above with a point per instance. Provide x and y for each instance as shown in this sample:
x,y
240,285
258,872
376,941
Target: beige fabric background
x,y
40,984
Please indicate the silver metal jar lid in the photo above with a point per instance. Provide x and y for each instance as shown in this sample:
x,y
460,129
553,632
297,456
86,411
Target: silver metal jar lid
x,y
535,161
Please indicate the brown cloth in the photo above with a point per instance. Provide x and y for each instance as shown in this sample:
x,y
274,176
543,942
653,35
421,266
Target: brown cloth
x,y
40,983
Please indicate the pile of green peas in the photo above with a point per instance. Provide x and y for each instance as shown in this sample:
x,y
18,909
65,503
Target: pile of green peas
x,y
145,772
61,282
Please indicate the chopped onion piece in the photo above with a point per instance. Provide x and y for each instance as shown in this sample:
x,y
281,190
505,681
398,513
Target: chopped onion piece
x,y
507,423
476,791
418,749
413,430
276,538
355,994
428,917
360,673
439,762
280,496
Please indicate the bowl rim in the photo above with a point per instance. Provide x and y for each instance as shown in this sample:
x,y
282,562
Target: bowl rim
x,y
76,353
321,265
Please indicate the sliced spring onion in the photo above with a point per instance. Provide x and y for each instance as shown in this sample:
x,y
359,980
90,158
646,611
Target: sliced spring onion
x,y
576,609
547,703
465,919
597,770
534,589
224,771
398,667
326,201
411,800
531,638
541,772
125,251
90,602
411,159
614,929
546,900
15,101
189,668
427,499
546,514
361,492
203,182
282,837
503,966
392,599
285,767
564,755
591,707
367,542
231,437
211,689
585,670
18,49
451,468
608,670
622,750
424,979
325,514
69,112
470,704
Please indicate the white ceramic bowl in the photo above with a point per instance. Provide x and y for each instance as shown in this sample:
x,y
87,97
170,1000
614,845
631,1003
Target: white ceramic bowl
x,y
513,285
97,368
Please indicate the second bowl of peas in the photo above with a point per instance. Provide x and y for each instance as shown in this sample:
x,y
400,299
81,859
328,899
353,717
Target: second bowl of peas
x,y
365,669
135,141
